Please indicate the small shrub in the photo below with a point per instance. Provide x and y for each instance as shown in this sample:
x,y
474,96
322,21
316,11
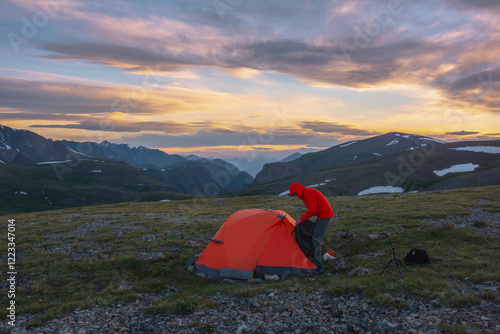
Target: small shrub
x,y
479,223
182,308
207,328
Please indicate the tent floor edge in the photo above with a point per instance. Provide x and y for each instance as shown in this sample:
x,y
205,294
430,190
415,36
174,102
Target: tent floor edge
x,y
236,273
209,272
282,272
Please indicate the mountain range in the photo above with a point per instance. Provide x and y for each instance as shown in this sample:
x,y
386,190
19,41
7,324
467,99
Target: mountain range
x,y
392,162
38,173
141,156
26,148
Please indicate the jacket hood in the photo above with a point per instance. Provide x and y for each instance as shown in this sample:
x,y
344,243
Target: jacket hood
x,y
297,188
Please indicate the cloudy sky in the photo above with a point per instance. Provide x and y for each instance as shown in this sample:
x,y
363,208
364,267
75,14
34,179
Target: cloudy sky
x,y
236,77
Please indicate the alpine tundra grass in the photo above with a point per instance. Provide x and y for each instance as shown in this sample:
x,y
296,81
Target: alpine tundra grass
x,y
102,255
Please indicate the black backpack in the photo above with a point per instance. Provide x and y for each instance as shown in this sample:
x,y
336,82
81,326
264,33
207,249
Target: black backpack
x,y
417,255
303,236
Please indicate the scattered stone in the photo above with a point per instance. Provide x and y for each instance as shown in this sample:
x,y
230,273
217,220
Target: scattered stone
x,y
193,244
388,326
359,271
435,303
387,296
150,256
342,266
243,328
370,255
256,280
343,233
381,235
284,312
433,331
229,280
174,249
438,224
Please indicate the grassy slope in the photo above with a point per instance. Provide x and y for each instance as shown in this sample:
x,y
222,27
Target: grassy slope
x,y
352,177
48,187
107,269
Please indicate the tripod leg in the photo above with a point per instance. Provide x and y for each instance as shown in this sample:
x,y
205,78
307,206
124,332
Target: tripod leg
x,y
408,270
387,265
399,269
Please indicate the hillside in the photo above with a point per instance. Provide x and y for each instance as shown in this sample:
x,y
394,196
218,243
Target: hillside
x,y
141,157
358,166
77,183
203,176
344,154
26,148
63,174
122,265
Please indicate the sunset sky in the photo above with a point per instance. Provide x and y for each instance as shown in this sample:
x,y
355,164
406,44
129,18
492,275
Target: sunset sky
x,y
246,77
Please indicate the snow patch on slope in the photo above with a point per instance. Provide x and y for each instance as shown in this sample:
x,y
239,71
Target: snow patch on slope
x,y
432,139
394,142
381,190
482,149
53,162
457,169
349,143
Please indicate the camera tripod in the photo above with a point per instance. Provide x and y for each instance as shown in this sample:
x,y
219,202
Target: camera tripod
x,y
397,261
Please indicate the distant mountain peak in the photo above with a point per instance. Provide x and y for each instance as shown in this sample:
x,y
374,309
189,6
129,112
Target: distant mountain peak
x,y
26,148
141,157
346,153
292,157
106,143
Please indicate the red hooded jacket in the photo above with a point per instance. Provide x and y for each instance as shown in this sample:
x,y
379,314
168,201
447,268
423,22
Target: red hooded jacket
x,y
316,203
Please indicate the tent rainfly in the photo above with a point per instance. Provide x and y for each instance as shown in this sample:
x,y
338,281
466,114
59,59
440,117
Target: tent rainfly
x,y
253,243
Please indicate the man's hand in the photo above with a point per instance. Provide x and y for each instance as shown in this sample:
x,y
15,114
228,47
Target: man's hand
x,y
297,222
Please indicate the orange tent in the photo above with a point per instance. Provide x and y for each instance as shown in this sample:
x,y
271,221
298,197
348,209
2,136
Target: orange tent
x,y
254,242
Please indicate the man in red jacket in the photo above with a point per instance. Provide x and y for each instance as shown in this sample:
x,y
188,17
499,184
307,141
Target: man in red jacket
x,y
317,205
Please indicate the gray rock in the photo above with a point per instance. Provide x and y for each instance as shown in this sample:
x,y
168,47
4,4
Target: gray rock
x,y
229,280
342,266
343,233
435,303
255,280
360,271
272,277
433,331
242,328
193,244
388,326
381,235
